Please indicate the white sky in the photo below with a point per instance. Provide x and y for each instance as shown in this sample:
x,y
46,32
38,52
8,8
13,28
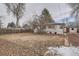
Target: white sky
x,y
57,10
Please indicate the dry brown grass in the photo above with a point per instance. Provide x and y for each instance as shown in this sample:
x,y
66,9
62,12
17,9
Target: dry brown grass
x,y
28,43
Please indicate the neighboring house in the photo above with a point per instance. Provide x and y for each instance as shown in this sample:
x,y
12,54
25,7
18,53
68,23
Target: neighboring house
x,y
11,25
26,27
57,28
52,28
71,29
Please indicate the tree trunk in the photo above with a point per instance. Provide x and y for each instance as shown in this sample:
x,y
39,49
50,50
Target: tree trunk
x,y
17,22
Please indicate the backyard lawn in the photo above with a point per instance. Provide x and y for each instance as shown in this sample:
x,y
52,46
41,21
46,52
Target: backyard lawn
x,y
28,43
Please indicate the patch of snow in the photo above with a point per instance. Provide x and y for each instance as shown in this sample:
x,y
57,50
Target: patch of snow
x,y
63,51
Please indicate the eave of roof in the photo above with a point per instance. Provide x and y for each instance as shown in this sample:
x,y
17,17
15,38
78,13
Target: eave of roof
x,y
52,24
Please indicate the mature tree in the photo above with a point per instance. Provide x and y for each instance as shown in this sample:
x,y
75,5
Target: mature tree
x,y
35,21
40,21
1,22
11,25
46,16
75,12
17,9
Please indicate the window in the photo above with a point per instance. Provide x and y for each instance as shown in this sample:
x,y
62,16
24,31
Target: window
x,y
61,27
55,32
51,26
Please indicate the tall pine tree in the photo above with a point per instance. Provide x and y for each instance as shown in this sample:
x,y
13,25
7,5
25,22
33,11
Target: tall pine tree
x,y
46,16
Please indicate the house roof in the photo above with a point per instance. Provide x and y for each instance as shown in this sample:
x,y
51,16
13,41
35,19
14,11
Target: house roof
x,y
72,27
53,24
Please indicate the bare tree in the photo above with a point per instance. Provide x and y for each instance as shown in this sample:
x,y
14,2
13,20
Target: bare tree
x,y
40,21
17,9
35,21
1,22
75,12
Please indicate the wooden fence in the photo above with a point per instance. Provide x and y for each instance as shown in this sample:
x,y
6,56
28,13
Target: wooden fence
x,y
15,30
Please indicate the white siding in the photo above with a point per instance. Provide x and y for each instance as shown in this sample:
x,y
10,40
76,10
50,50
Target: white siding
x,y
53,31
57,26
50,30
59,31
73,31
56,30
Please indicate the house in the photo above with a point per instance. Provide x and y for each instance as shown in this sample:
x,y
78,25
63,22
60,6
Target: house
x,y
71,29
52,28
25,26
57,28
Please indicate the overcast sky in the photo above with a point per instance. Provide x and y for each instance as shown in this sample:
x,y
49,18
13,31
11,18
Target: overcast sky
x,y
57,10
